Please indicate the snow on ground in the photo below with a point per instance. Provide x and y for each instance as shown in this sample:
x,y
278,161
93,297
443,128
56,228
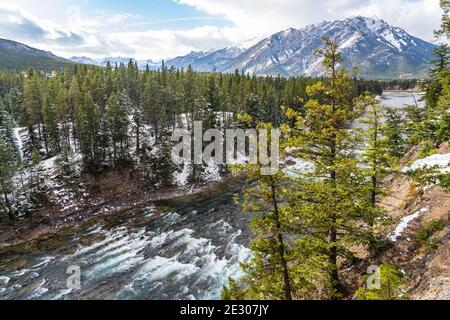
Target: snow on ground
x,y
439,161
18,140
211,172
59,193
401,227
47,170
181,178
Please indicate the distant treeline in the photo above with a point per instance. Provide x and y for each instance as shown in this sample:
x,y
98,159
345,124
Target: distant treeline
x,y
402,84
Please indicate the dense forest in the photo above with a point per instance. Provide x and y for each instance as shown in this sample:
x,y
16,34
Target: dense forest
x,y
312,222
118,116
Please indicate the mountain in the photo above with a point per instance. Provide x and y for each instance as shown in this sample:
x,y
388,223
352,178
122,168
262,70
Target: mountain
x,y
15,56
207,61
142,64
83,60
378,49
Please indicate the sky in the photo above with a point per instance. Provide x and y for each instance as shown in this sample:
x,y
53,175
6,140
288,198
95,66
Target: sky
x,y
161,29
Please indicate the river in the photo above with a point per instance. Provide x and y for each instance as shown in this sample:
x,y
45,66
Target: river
x,y
185,248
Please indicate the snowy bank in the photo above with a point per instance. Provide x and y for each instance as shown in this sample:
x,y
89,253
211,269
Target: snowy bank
x,y
440,161
401,227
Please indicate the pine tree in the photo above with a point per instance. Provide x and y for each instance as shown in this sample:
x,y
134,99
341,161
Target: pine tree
x,y
394,132
153,106
375,158
119,106
233,291
330,200
440,63
36,170
66,167
135,103
33,104
445,25
8,168
51,125
162,165
269,273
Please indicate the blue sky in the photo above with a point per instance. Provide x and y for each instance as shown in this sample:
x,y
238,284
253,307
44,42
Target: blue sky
x,y
157,14
156,29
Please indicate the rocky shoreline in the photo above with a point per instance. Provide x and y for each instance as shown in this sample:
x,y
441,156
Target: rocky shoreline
x,y
27,231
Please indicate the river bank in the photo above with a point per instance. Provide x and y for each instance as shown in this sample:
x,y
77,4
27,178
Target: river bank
x,y
48,222
182,247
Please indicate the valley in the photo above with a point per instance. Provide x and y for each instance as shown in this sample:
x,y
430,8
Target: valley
x,y
188,150
190,240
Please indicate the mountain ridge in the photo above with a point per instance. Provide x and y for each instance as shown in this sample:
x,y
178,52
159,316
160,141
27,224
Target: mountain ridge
x,y
16,56
377,48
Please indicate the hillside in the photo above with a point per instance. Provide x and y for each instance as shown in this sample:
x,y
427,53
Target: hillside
x,y
15,56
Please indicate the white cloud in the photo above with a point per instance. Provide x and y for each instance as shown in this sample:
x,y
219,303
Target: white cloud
x,y
19,25
159,44
419,17
15,23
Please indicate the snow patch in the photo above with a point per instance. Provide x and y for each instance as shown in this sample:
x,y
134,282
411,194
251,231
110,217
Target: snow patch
x,y
439,161
182,178
401,227
211,172
298,168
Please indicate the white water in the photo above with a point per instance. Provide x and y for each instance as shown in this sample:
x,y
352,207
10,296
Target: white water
x,y
185,253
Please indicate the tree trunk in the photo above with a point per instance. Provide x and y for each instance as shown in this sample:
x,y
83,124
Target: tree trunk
x,y
8,205
332,241
281,247
138,139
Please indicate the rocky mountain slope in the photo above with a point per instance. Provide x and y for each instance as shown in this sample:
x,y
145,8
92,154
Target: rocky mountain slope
x,y
207,61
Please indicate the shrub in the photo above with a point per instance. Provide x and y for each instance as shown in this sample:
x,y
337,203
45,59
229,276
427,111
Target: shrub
x,y
390,281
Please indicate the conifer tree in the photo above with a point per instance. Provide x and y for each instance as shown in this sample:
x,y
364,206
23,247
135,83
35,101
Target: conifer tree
x,y
119,106
33,105
8,167
388,286
445,25
87,127
36,170
329,200
51,125
162,166
269,273
375,158
394,132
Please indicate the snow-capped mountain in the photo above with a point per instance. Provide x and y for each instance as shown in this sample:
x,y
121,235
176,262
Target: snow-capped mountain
x,y
207,61
378,49
84,60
